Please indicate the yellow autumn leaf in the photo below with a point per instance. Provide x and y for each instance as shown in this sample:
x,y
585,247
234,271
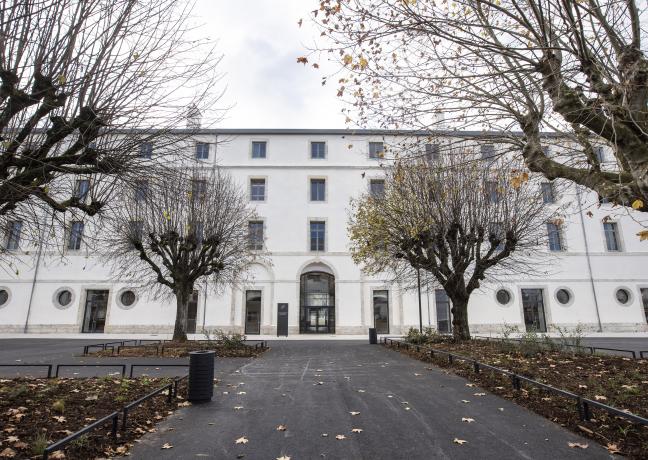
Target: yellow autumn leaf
x,y
347,59
637,204
363,63
61,79
643,235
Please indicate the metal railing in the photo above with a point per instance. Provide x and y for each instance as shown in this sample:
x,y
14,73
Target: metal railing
x,y
48,366
133,366
583,405
159,345
122,366
591,348
172,392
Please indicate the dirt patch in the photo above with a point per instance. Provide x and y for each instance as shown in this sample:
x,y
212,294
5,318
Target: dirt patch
x,y
616,381
38,412
182,349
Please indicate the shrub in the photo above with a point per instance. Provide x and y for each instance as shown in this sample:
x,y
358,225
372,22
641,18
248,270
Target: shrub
x,y
414,336
571,340
58,406
225,339
39,443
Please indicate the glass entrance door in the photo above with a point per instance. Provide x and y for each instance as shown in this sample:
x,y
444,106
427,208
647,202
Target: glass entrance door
x,y
381,311
252,312
96,306
192,313
534,313
443,313
317,298
644,300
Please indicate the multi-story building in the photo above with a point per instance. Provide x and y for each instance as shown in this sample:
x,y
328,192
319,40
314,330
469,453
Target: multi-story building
x,y
301,182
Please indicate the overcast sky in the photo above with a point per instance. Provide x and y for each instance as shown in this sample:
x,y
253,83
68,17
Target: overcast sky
x,y
260,40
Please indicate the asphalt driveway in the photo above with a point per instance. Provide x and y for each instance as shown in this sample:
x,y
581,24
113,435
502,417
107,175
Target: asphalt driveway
x,y
319,391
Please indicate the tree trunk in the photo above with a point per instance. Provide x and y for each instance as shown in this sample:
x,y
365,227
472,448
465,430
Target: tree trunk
x,y
460,329
182,311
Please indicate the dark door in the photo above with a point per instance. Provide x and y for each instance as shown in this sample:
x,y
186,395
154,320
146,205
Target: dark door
x,y
192,313
381,311
252,312
282,319
96,306
444,316
534,313
644,299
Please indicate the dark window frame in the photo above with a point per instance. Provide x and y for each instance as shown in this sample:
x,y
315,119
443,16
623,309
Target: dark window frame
x,y
317,190
262,151
256,184
317,235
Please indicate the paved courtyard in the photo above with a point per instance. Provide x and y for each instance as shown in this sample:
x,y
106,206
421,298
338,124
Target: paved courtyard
x,y
318,390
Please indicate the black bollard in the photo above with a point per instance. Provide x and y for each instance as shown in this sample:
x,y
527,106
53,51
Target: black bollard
x,y
373,336
201,376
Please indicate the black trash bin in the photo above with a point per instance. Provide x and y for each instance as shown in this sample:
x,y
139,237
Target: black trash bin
x,y
373,337
201,376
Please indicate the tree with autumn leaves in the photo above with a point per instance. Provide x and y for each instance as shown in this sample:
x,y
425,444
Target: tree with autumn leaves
x,y
466,223
518,69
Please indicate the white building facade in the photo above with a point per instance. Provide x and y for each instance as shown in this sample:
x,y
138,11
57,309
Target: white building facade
x,y
301,183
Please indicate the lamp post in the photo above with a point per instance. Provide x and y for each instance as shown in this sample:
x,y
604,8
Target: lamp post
x,y
418,279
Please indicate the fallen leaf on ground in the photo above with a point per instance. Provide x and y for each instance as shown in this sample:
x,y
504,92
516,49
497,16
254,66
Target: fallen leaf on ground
x,y
281,428
242,440
59,418
121,449
578,445
241,393
21,445
354,413
8,453
361,391
325,435
416,374
166,445
465,401
470,385
612,448
480,394
459,441
238,407
184,404
356,430
600,398
467,419
340,437
57,455
283,457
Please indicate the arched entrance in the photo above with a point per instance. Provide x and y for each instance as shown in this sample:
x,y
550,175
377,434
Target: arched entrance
x,y
317,303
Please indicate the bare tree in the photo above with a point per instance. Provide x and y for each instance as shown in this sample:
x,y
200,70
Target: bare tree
x,y
576,69
463,222
190,228
90,90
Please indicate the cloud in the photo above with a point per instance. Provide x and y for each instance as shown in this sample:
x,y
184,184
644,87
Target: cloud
x,y
261,41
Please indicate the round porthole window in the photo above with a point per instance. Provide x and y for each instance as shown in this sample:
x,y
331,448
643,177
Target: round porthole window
x,y
623,296
563,296
127,298
64,298
4,297
503,297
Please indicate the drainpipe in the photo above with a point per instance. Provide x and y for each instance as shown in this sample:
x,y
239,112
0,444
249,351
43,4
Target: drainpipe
x,y
204,306
587,256
33,286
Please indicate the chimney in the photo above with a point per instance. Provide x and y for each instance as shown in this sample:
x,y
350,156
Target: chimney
x,y
193,117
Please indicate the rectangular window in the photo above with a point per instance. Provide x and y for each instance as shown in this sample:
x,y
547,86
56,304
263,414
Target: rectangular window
x,y
257,189
141,190
381,311
135,232
198,188
76,235
555,237
600,154
548,192
255,235
376,150
317,235
377,188
13,235
81,189
318,189
202,150
611,230
487,151
198,232
146,150
497,232
259,149
491,192
432,152
318,150
644,301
